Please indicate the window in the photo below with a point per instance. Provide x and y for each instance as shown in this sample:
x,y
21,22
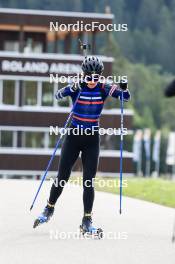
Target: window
x,y
52,140
33,46
9,92
11,45
52,43
33,140
6,139
29,93
47,94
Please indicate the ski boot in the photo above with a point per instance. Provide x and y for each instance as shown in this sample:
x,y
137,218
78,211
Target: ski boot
x,y
45,216
86,228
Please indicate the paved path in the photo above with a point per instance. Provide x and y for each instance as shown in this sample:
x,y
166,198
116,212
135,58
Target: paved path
x,y
142,233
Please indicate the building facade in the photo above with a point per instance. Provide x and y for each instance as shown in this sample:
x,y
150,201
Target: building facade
x,y
30,53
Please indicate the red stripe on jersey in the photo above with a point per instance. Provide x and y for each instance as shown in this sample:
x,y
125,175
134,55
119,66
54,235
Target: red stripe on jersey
x,y
89,102
85,119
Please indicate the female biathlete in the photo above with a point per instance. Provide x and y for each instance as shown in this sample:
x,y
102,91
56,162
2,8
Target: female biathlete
x,y
86,114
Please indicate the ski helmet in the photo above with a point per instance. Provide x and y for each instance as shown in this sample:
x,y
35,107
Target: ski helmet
x,y
92,65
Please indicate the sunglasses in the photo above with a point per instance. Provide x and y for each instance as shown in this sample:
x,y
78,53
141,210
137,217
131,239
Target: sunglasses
x,y
93,77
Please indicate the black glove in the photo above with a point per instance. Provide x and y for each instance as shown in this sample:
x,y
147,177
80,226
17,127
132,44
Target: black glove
x,y
77,86
123,85
74,87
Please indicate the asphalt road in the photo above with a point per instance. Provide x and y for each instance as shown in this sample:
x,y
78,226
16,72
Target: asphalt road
x,y
141,235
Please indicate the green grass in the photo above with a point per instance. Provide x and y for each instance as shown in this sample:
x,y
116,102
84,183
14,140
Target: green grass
x,y
158,191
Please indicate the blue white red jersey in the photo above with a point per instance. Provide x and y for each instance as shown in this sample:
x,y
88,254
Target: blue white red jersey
x,y
90,103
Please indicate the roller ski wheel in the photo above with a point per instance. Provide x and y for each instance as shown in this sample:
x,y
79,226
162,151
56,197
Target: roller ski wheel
x,y
86,228
44,217
96,232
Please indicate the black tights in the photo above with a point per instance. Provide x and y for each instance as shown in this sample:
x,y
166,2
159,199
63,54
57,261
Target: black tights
x,y
72,145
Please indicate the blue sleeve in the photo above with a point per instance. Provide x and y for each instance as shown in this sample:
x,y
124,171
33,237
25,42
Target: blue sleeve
x,y
65,91
115,91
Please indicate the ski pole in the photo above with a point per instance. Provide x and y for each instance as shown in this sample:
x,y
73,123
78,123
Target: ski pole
x,y
121,150
54,152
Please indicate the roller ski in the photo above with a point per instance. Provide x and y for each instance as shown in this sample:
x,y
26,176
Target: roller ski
x,y
44,217
86,228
